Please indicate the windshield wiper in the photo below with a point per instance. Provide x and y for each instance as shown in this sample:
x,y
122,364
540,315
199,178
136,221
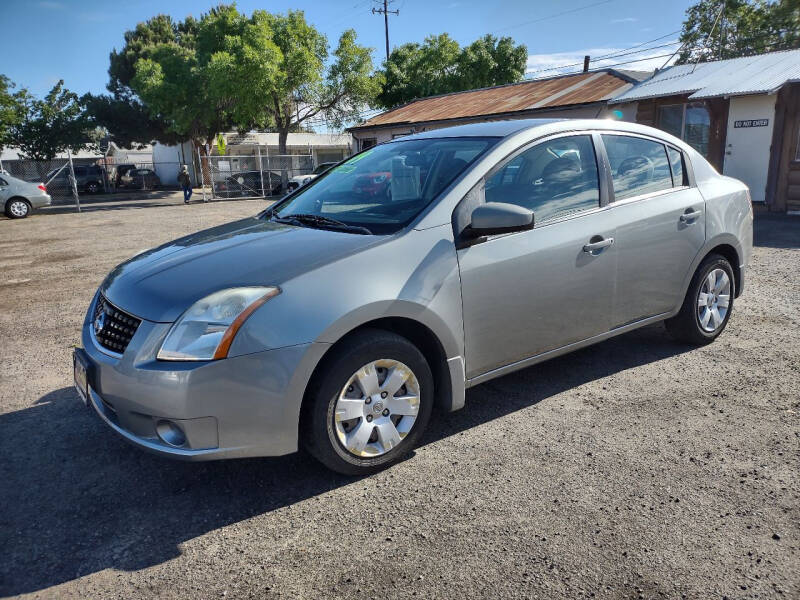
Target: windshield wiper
x,y
321,222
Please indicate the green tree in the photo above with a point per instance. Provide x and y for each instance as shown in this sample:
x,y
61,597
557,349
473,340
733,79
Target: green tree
x,y
128,121
122,112
50,125
439,66
716,30
226,70
273,73
10,110
489,61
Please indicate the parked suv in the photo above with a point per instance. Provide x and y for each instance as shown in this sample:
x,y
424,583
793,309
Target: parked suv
x,y
336,320
88,179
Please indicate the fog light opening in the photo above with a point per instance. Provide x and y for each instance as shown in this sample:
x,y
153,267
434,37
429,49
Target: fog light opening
x,y
169,433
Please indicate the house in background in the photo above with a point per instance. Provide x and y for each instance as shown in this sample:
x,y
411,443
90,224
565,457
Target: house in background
x,y
742,114
141,155
323,147
582,95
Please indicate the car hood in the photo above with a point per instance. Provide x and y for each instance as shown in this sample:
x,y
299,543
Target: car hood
x,y
161,283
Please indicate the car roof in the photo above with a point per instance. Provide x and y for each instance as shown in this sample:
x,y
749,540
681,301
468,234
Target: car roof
x,y
514,127
484,129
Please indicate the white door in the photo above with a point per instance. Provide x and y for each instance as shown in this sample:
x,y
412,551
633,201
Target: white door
x,y
747,148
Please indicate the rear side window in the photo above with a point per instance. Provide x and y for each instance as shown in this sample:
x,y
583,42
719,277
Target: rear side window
x,y
638,166
676,164
553,179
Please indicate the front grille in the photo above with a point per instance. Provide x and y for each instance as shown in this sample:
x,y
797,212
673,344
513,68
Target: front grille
x,y
112,327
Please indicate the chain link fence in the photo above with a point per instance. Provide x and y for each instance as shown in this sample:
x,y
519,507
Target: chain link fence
x,y
90,176
56,174
219,177
250,176
125,177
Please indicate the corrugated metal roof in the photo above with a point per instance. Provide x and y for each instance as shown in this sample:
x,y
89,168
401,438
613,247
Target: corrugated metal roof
x,y
759,74
565,90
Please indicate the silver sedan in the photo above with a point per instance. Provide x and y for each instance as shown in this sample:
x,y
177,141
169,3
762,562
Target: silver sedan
x,y
18,197
336,320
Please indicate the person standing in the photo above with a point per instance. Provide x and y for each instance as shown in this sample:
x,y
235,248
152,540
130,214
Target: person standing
x,y
186,183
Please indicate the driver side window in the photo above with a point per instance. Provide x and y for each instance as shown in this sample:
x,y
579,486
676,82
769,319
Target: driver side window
x,y
638,166
553,179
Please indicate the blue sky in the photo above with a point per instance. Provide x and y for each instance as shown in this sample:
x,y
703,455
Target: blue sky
x,y
47,40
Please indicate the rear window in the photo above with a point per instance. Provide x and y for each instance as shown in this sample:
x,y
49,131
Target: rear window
x,y
676,164
638,166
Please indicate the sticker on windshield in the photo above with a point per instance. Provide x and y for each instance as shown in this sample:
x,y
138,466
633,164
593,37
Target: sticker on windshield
x,y
350,165
361,156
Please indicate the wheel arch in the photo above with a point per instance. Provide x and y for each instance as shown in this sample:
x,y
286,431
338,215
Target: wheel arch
x,y
418,334
732,255
726,245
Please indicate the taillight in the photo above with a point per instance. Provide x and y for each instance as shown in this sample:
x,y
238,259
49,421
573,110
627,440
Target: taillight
x,y
42,187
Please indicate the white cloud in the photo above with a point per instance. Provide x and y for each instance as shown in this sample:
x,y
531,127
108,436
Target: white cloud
x,y
624,20
550,65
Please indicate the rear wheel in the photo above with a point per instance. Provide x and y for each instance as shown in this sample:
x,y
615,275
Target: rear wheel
x,y
17,208
370,404
708,304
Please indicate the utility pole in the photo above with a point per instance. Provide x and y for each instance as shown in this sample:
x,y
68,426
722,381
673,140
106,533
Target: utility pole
x,y
722,33
385,12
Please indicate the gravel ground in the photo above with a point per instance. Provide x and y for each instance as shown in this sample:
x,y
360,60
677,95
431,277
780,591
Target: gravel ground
x,y
636,468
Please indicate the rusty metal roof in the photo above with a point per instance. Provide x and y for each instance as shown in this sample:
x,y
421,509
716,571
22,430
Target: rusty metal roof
x,y
566,90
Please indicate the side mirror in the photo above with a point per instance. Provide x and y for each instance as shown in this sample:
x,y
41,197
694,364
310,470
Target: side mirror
x,y
498,217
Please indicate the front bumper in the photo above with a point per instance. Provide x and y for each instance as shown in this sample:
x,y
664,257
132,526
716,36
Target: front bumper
x,y
236,407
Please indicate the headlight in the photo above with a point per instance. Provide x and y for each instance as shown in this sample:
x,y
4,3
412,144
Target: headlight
x,y
207,329
379,178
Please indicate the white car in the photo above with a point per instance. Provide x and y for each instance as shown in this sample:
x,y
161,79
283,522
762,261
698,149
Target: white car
x,y
301,180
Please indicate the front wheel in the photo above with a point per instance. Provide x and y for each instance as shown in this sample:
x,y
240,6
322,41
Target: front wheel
x,y
370,404
708,304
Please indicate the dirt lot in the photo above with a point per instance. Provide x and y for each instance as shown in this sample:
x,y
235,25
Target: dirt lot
x,y
635,468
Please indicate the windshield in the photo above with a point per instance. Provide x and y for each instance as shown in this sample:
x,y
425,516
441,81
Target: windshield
x,y
322,168
384,188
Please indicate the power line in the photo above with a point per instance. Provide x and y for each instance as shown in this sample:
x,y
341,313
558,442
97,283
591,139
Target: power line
x,y
553,16
612,65
661,37
616,54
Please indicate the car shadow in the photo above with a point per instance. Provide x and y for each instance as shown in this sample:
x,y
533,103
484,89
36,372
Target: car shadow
x,y
77,499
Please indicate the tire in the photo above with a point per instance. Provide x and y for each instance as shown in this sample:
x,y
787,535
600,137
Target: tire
x,y
697,323
387,436
92,187
17,208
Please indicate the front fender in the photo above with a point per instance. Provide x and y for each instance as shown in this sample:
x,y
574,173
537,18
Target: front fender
x,y
413,276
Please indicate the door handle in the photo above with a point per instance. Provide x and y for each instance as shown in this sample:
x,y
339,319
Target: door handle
x,y
593,246
689,217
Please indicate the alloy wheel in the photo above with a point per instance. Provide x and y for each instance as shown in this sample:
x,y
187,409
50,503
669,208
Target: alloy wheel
x,y
376,408
713,300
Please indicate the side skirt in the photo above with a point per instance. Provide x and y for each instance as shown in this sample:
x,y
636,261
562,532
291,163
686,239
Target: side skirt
x,y
528,362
